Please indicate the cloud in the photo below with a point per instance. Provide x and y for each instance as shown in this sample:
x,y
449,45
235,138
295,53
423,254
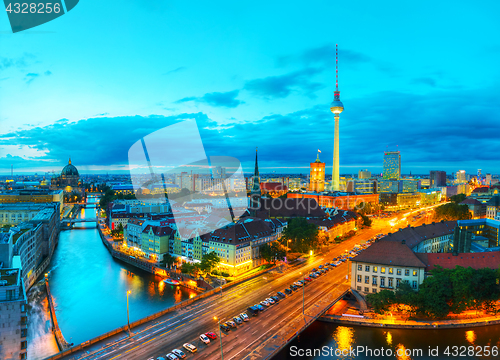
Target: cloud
x,y
18,62
217,99
425,80
30,77
324,56
47,73
180,68
276,87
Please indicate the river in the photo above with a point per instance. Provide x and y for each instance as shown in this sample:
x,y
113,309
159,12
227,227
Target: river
x,y
89,289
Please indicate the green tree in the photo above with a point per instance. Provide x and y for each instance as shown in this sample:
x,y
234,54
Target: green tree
x,y
457,199
209,262
452,211
168,260
187,268
265,252
304,236
435,294
381,301
366,220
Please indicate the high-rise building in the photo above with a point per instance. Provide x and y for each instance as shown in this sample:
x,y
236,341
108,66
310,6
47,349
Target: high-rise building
x,y
437,178
488,179
392,165
317,177
461,178
336,107
364,174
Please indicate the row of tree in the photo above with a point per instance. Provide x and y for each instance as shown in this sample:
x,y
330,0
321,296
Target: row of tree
x,y
452,211
447,290
207,265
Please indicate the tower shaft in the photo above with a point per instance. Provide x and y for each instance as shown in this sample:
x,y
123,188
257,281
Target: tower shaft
x,y
336,147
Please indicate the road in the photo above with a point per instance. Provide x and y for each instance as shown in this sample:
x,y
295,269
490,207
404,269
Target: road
x,y
250,339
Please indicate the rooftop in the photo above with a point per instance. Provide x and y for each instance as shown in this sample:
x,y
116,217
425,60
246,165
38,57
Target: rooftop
x,y
11,275
389,253
414,235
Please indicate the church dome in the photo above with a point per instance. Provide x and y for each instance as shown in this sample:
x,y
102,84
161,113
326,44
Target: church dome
x,y
69,170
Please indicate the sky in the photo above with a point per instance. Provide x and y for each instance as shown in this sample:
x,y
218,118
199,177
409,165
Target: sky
x,y
420,77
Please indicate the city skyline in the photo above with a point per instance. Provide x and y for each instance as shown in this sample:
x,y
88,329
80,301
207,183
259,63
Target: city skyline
x,y
254,89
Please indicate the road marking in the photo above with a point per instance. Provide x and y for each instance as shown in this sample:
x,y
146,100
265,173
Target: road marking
x,y
166,333
148,341
115,357
193,319
132,349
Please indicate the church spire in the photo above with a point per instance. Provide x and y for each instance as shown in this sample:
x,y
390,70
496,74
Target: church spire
x,y
256,172
256,177
69,162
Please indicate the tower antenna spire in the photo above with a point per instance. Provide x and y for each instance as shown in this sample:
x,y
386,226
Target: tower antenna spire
x,y
336,67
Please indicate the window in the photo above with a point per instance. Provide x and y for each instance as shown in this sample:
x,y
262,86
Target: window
x,y
414,284
23,345
358,288
24,333
360,267
367,268
382,282
390,282
398,271
374,290
375,268
382,270
367,279
407,272
359,278
390,271
367,289
374,280
414,272
397,282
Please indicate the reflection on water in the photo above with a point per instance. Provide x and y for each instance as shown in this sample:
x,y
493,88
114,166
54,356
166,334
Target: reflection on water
x,y
90,288
41,342
403,344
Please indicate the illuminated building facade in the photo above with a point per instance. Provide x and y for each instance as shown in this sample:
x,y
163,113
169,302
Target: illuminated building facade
x,y
317,176
392,165
364,174
344,201
437,178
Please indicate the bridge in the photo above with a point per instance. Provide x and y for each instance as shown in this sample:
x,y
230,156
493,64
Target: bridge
x,y
72,221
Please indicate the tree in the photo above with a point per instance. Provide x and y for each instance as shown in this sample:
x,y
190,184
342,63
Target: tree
x,y
457,199
209,262
381,301
435,294
452,211
304,236
265,252
187,268
366,220
168,260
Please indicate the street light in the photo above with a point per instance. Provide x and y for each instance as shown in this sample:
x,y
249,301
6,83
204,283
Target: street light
x,y
128,318
220,337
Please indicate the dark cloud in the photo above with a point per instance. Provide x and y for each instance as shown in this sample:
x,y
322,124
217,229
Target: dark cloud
x,y
217,99
275,87
180,68
441,130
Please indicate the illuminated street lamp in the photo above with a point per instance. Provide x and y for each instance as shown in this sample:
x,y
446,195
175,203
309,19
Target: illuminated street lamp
x,y
128,317
220,337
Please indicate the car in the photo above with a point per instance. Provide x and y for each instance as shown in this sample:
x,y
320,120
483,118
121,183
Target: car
x,y
314,276
281,294
260,307
314,270
190,347
253,310
179,353
270,301
288,291
264,303
320,267
297,283
211,335
205,339
237,320
275,298
225,327
160,358
294,287
308,279
171,357
327,269
231,323
244,317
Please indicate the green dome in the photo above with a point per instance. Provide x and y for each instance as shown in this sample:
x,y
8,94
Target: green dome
x,y
69,170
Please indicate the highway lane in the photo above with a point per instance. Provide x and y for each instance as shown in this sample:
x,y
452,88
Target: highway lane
x,y
186,325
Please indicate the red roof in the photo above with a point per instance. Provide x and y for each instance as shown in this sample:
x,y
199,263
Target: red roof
x,y
389,253
474,260
483,189
273,186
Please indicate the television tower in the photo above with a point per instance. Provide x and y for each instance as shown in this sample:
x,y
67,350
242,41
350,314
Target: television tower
x,y
336,107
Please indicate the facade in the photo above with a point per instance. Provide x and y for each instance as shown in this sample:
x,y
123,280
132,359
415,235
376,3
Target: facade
x,y
384,265
461,177
392,165
69,180
317,176
32,196
493,207
476,208
486,231
273,189
437,178
344,201
13,214
13,316
155,241
364,174
363,186
133,232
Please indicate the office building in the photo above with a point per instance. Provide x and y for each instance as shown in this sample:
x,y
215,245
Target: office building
x,y
392,165
461,177
437,178
364,174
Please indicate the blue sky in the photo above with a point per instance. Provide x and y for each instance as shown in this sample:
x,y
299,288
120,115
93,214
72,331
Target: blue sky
x,y
422,76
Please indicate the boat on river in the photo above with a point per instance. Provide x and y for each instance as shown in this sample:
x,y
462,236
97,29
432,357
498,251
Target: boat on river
x,y
171,282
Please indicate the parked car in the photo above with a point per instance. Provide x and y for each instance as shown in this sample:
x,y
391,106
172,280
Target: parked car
x,y
288,291
225,327
231,323
171,357
254,310
179,353
260,307
160,358
190,347
314,270
294,287
264,303
237,320
211,335
244,317
281,294
204,338
275,298
320,267
270,301
308,279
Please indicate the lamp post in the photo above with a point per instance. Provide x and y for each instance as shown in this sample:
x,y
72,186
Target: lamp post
x,y
303,295
220,337
128,317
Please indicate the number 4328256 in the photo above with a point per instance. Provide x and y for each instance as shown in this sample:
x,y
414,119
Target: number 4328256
x,y
33,8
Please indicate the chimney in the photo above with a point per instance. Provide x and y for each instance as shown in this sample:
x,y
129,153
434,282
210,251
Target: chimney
x,y
403,241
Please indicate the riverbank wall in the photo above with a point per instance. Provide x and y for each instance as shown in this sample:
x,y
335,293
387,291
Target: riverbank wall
x,y
61,341
412,324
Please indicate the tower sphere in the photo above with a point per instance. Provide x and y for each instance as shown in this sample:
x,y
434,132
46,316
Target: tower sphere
x,y
336,107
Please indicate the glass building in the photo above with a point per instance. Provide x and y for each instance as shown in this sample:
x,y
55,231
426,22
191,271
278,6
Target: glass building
x,y
392,165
